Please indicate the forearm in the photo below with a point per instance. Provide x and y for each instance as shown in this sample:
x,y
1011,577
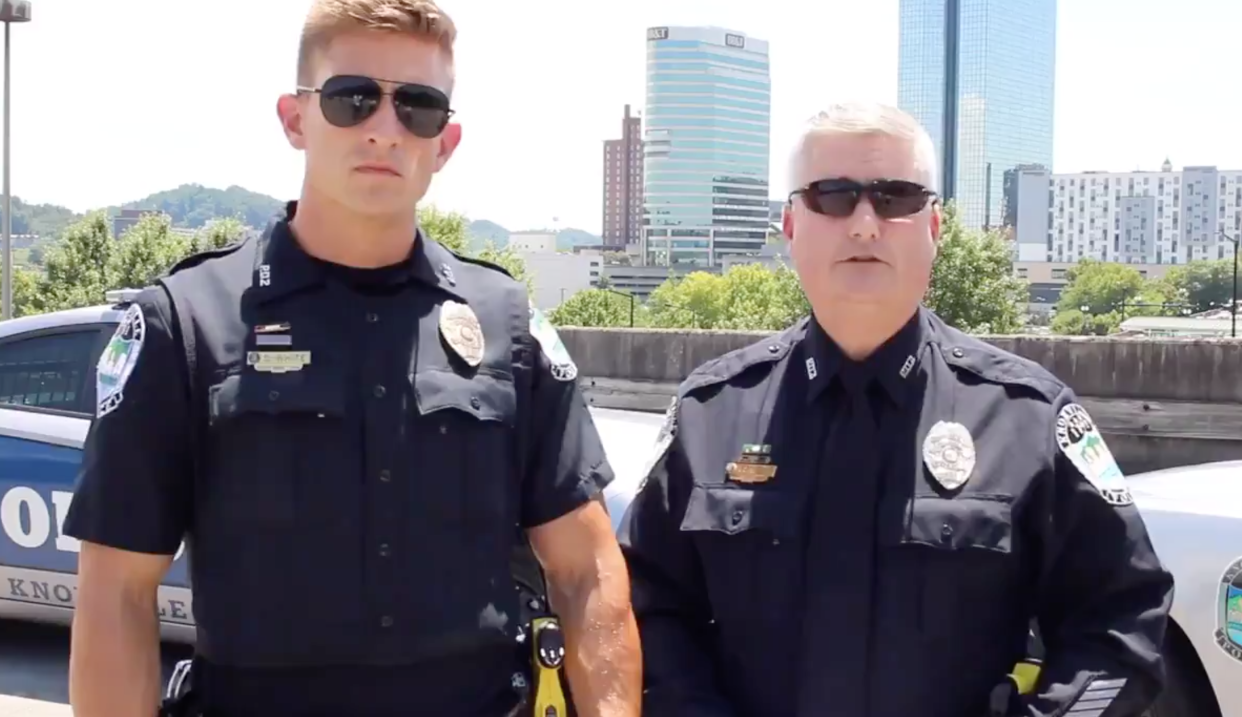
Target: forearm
x,y
603,656
114,667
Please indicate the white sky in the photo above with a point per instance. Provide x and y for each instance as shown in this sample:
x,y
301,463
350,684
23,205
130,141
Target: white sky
x,y
115,100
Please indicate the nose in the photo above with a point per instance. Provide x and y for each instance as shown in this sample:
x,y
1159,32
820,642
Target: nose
x,y
383,128
864,225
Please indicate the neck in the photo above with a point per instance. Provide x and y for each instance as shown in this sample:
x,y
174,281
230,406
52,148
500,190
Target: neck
x,y
860,332
330,231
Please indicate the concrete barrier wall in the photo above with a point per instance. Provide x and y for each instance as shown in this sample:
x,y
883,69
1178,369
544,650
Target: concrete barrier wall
x,y
1160,403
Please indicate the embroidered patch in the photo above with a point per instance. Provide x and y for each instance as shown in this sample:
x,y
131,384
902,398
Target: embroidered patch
x,y
563,366
118,359
1229,611
1082,443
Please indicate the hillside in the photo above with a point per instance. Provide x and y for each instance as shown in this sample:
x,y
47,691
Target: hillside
x,y
484,231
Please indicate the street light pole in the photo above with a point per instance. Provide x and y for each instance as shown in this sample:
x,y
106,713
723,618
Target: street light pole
x,y
11,11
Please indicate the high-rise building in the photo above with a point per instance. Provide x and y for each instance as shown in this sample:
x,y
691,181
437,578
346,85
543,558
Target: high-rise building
x,y
623,184
980,75
1157,218
706,144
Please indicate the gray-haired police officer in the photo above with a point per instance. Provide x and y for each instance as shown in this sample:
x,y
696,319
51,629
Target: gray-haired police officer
x,y
352,428
863,515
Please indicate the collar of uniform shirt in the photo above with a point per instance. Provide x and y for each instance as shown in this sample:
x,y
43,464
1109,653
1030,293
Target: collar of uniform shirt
x,y
429,263
825,360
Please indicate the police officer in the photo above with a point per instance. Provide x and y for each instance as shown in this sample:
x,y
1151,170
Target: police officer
x,y
351,427
863,515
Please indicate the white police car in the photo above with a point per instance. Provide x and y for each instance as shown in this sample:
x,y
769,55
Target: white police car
x,y
47,402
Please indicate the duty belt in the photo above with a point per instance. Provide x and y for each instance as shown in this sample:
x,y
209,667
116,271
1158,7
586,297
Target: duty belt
x,y
1006,696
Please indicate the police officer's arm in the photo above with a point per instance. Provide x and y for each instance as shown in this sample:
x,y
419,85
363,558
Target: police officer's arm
x,y
668,592
571,534
129,510
1104,597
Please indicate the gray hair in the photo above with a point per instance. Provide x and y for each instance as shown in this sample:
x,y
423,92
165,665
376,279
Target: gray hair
x,y
867,118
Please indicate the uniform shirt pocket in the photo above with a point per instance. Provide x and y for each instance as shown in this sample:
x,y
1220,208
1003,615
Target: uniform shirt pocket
x,y
747,542
267,432
464,436
953,562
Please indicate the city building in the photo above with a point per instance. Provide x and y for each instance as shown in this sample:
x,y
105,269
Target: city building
x,y
706,140
623,185
979,75
559,275
1158,218
532,242
126,219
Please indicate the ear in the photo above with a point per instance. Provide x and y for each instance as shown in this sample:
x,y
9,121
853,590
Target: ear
x,y
787,221
449,139
290,109
936,218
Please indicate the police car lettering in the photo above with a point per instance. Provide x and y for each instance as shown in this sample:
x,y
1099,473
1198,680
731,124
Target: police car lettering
x,y
36,587
1081,442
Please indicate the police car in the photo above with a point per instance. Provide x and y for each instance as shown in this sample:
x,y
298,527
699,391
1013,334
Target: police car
x,y
47,403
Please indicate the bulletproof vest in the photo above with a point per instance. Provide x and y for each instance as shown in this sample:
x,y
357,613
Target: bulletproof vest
x,y
282,562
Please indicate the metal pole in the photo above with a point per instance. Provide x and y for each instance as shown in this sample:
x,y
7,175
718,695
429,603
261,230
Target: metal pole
x,y
8,194
632,301
1233,307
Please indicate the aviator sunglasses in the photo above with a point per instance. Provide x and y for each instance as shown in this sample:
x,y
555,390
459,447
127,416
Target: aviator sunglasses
x,y
891,198
350,100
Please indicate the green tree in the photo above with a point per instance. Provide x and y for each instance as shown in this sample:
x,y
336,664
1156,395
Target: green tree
x,y
1099,295
749,297
973,286
510,260
1202,285
596,307
447,228
146,252
27,287
78,268
217,234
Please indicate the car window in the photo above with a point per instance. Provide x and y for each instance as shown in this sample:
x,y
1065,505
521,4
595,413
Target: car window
x,y
51,371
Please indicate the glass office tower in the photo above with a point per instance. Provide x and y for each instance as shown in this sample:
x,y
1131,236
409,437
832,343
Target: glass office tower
x,y
705,145
987,67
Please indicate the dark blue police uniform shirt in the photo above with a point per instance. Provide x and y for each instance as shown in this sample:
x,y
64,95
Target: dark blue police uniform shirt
x,y
737,621
350,488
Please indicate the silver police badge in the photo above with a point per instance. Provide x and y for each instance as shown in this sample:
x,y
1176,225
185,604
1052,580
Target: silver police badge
x,y
949,452
461,330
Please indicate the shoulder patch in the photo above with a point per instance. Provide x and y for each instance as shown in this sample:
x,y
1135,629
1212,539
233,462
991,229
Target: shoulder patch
x,y
563,366
1081,442
118,359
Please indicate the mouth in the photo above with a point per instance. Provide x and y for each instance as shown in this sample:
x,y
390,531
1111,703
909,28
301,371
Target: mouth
x,y
863,260
378,169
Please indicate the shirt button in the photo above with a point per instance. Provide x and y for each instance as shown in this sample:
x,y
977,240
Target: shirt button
x,y
474,401
737,516
385,476
384,550
386,621
372,318
380,391
272,396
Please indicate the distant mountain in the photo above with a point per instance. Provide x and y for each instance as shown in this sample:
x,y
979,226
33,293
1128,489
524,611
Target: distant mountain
x,y
483,231
193,205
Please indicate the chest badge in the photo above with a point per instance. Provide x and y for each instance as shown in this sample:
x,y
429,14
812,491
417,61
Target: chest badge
x,y
461,330
753,466
949,453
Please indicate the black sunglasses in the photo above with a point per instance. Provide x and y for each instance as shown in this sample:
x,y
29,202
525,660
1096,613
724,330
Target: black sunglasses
x,y
350,100
891,198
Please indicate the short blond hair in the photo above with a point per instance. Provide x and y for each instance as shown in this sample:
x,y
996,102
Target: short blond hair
x,y
868,118
329,18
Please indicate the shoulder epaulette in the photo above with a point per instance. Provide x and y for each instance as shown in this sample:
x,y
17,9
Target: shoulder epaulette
x,y
999,366
480,262
727,366
199,257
